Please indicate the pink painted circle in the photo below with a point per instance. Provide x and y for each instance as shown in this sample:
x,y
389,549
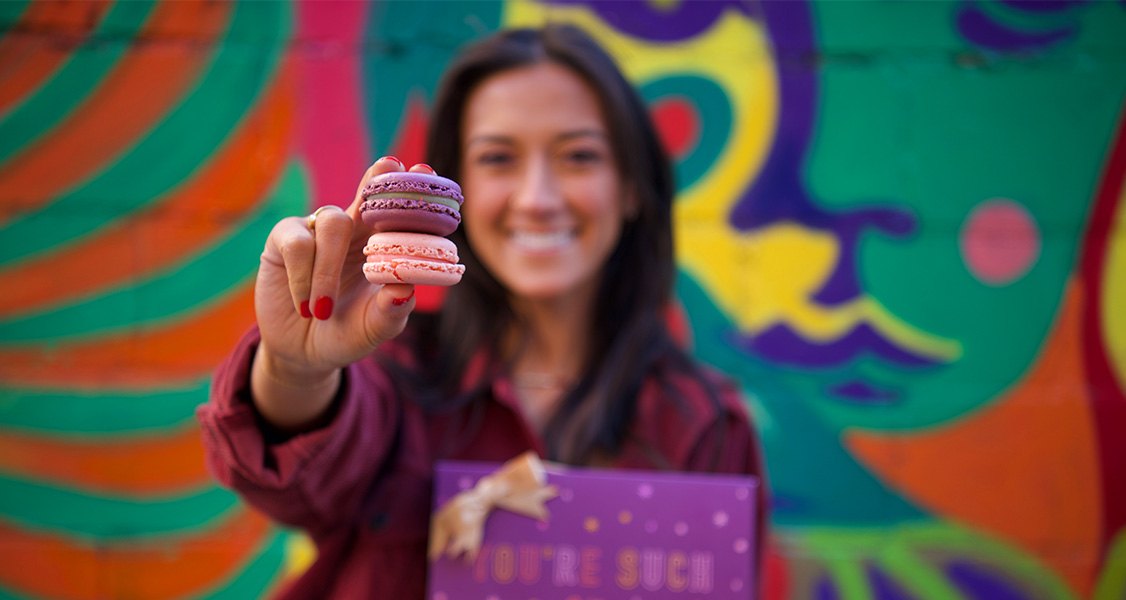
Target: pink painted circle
x,y
1000,241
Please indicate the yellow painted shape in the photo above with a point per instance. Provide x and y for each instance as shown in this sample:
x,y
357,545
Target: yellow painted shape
x,y
769,277
1112,581
1113,298
299,554
666,5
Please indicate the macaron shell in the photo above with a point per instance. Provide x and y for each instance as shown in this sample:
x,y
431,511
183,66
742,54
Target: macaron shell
x,y
413,183
403,257
413,271
404,214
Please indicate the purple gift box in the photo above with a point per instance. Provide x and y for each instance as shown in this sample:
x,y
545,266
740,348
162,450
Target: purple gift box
x,y
611,534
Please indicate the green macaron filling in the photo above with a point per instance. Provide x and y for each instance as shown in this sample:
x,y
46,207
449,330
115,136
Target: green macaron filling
x,y
424,197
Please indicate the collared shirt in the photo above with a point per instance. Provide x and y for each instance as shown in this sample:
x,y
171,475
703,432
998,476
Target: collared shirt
x,y
360,485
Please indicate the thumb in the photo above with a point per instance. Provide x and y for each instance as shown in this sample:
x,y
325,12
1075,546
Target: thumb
x,y
388,311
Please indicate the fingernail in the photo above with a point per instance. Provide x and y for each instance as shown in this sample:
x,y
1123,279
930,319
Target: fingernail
x,y
305,310
323,308
402,301
426,166
392,158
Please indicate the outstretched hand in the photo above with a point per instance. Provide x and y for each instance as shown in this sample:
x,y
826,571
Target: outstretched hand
x,y
315,309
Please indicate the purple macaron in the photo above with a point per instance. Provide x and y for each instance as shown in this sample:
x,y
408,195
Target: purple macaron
x,y
413,202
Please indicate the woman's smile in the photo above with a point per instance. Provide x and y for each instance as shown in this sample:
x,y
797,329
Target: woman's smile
x,y
542,242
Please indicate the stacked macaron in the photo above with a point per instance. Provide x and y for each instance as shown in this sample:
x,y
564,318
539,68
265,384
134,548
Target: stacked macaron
x,y
409,213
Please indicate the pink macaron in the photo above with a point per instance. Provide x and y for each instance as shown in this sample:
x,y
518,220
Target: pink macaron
x,y
419,258
405,201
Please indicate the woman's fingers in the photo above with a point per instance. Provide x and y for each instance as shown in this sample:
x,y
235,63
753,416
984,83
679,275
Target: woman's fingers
x,y
393,304
332,230
291,248
311,250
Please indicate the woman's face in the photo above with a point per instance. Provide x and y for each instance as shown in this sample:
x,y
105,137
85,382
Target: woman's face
x,y
543,195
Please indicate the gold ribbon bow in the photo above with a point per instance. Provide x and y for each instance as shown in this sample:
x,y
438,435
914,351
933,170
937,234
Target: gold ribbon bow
x,y
519,486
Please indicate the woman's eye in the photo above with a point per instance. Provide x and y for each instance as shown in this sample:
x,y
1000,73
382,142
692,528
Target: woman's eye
x,y
494,159
584,157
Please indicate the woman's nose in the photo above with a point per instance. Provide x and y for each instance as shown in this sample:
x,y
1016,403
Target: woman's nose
x,y
538,190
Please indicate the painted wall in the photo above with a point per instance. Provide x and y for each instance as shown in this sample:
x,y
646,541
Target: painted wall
x,y
902,227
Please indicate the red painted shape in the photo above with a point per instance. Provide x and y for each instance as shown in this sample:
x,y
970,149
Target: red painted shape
x,y
1107,398
410,145
678,125
776,575
429,298
333,131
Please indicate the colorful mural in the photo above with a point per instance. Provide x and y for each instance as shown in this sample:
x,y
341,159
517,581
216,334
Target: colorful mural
x,y
901,227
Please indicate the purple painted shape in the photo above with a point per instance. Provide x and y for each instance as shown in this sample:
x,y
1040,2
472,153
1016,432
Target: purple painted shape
x,y
980,29
884,588
642,19
1044,6
863,392
779,193
824,590
780,345
979,584
844,284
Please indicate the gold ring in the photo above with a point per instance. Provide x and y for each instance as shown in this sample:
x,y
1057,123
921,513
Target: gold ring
x,y
311,220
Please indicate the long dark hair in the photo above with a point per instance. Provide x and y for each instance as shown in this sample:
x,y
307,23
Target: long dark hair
x,y
628,333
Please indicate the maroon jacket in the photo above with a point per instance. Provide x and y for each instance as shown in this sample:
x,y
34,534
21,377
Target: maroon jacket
x,y
360,486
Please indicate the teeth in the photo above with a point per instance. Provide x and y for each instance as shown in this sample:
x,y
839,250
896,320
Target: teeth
x,y
542,241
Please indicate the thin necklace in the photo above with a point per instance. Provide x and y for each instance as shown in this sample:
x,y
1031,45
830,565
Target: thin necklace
x,y
540,381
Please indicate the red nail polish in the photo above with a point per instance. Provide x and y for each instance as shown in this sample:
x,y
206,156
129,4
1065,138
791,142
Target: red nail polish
x,y
394,159
402,301
323,308
305,310
428,167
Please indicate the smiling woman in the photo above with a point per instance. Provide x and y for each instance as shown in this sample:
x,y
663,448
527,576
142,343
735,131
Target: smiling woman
x,y
553,341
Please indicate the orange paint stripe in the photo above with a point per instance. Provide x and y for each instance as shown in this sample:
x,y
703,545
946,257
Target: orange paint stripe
x,y
178,354
28,58
46,566
142,87
150,239
125,465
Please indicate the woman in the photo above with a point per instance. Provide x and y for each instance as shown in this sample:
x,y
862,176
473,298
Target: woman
x,y
326,418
